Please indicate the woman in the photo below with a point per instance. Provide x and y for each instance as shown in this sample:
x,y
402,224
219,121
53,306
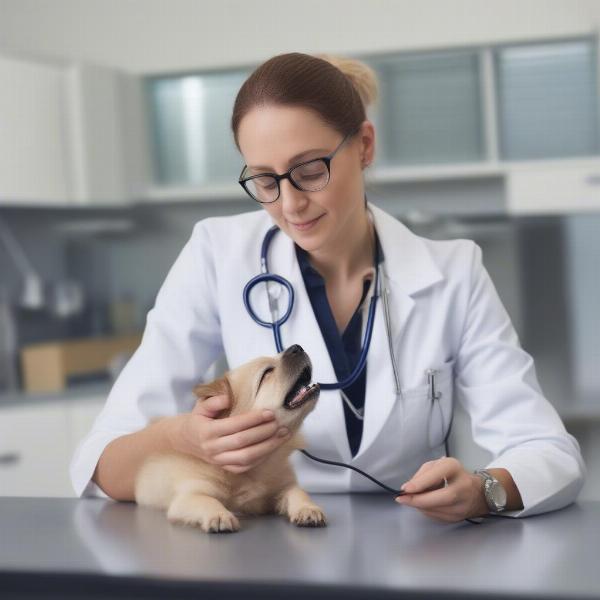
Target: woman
x,y
300,124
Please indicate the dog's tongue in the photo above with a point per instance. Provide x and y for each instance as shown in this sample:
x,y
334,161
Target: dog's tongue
x,y
299,397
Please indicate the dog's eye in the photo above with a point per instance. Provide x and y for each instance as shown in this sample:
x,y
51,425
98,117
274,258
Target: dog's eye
x,y
265,372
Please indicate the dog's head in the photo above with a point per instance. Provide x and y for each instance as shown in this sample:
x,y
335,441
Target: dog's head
x,y
281,383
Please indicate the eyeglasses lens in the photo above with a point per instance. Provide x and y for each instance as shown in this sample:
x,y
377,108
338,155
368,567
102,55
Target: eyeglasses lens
x,y
264,189
312,176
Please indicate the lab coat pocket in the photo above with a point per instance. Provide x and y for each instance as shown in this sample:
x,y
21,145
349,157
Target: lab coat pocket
x,y
428,407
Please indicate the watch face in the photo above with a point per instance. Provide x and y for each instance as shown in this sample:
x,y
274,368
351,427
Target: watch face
x,y
498,494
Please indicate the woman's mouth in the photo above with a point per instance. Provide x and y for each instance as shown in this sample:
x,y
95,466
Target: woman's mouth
x,y
306,225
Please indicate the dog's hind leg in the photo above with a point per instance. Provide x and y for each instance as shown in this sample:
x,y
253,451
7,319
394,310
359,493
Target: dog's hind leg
x,y
192,505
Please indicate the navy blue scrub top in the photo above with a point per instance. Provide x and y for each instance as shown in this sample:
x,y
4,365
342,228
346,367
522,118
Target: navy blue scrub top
x,y
344,349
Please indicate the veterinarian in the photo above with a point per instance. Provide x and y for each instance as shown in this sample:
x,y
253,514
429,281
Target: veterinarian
x,y
439,334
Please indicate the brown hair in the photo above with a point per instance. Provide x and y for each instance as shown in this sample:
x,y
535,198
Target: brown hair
x,y
337,89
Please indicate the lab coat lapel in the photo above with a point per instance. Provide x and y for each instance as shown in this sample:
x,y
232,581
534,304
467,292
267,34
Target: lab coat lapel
x,y
324,429
380,393
408,268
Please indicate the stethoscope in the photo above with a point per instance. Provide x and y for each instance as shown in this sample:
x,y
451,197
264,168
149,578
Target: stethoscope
x,y
274,294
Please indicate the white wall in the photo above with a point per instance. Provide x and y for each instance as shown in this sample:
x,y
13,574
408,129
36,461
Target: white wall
x,y
166,35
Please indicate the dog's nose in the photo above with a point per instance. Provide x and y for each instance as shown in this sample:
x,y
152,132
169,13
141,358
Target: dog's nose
x,y
295,349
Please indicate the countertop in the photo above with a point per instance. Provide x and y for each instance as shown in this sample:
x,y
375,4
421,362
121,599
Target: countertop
x,y
372,548
76,391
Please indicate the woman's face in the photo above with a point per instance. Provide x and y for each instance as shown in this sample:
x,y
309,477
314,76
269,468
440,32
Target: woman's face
x,y
275,139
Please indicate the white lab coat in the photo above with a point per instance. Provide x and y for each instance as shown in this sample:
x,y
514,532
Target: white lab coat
x,y
445,315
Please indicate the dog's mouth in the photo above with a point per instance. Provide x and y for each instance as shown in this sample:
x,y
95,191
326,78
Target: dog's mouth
x,y
302,391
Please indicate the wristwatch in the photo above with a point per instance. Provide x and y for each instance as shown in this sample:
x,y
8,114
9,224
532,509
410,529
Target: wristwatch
x,y
495,494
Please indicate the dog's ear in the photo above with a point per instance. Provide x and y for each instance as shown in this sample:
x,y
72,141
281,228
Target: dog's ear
x,y
216,388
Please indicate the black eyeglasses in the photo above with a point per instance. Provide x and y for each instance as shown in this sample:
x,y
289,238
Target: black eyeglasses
x,y
309,176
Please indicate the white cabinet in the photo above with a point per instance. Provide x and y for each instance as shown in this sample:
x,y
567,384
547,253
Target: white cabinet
x,y
558,187
33,160
37,442
69,134
34,449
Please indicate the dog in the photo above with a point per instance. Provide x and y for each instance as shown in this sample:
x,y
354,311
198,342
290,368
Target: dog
x,y
203,495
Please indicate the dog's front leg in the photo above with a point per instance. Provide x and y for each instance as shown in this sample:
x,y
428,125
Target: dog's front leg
x,y
192,505
298,506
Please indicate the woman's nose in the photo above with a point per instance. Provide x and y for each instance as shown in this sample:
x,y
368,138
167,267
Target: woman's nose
x,y
292,199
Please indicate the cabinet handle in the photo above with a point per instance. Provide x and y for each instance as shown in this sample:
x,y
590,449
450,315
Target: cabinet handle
x,y
10,458
593,179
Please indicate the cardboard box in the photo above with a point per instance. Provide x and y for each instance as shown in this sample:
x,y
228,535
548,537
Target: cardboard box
x,y
46,367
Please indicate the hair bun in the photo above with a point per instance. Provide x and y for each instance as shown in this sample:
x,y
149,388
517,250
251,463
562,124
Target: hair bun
x,y
362,76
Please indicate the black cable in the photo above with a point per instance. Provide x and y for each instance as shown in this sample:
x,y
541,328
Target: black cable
x,y
382,485
340,464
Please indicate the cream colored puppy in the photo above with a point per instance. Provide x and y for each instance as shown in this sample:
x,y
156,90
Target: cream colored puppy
x,y
194,492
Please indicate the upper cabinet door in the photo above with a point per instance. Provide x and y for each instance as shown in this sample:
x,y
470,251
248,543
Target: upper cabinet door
x,y
70,134
33,158
548,100
103,134
190,124
432,108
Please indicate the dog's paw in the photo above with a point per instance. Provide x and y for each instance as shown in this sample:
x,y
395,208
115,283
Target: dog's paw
x,y
225,522
221,522
308,516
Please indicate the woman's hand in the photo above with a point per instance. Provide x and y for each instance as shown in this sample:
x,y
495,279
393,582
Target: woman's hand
x,y
237,444
462,498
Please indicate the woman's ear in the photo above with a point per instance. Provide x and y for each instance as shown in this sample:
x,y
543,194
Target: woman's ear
x,y
367,143
217,387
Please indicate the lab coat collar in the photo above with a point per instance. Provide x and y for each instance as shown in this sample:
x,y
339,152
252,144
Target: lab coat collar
x,y
408,261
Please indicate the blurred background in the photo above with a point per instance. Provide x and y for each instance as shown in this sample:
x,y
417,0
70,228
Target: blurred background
x,y
115,140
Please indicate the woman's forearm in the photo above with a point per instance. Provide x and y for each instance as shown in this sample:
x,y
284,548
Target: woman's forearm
x,y
119,463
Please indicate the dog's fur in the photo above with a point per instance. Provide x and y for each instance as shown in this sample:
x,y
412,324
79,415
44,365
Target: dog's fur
x,y
196,493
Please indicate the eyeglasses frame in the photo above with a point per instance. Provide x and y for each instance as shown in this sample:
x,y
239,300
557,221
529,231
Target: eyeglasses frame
x,y
287,175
